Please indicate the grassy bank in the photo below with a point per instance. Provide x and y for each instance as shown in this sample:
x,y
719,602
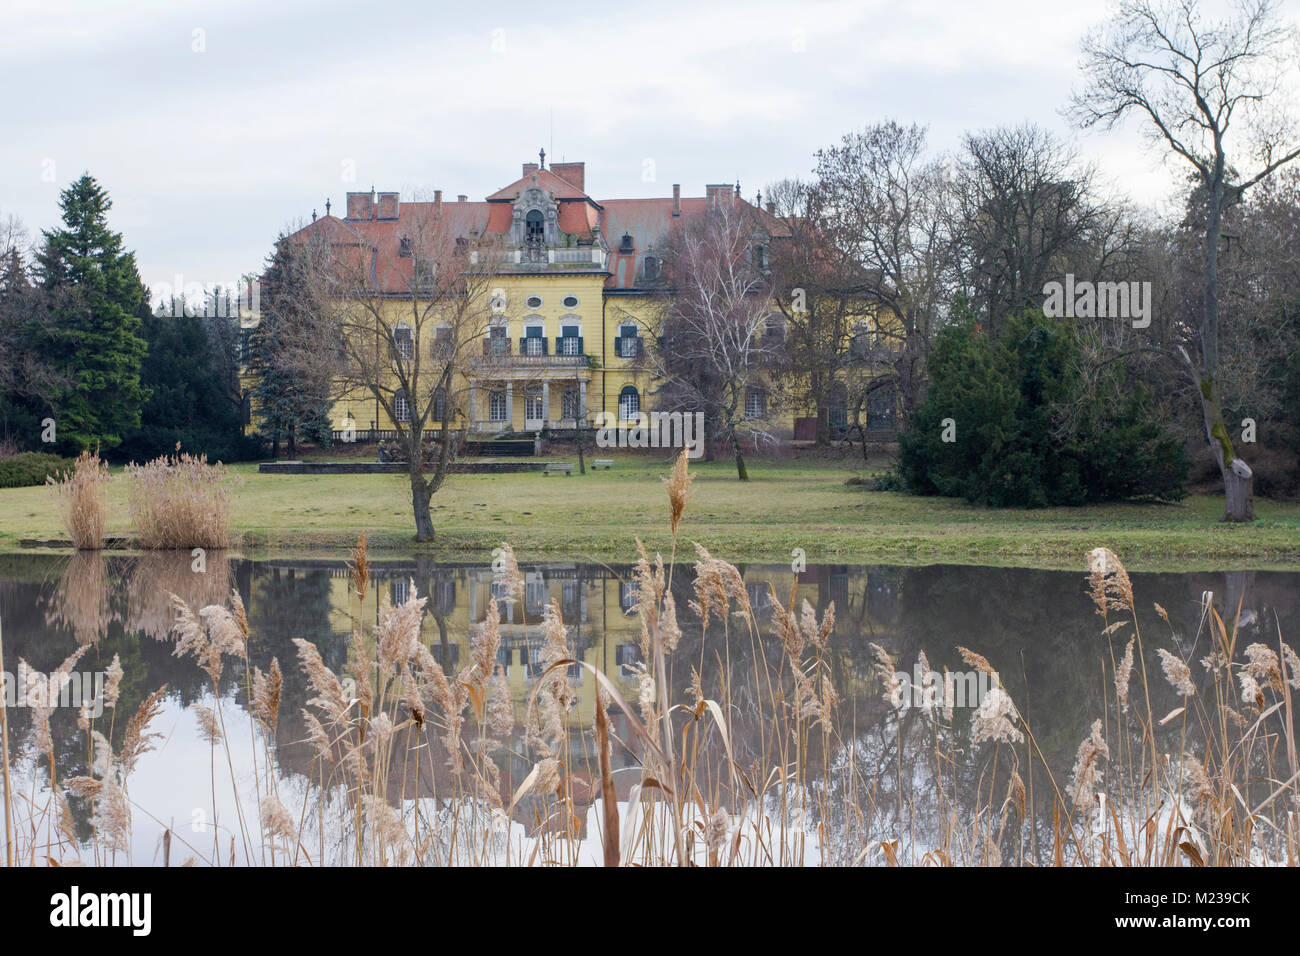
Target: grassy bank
x,y
786,505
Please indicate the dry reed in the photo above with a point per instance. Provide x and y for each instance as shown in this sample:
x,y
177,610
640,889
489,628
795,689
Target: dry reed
x,y
180,501
82,497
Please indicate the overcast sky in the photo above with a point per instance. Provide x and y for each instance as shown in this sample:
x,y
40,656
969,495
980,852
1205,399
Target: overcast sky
x,y
215,125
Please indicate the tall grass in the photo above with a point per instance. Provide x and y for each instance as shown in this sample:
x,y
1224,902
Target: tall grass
x,y
82,495
180,501
415,764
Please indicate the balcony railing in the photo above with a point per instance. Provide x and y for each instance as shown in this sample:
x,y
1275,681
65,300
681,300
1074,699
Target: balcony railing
x,y
507,360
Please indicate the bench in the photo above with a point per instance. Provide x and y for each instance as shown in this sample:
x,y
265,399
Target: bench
x,y
606,463
558,468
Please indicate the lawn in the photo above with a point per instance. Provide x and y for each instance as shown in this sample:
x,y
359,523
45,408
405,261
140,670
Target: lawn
x,y
786,505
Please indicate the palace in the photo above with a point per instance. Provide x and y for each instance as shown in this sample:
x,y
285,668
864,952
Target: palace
x,y
580,282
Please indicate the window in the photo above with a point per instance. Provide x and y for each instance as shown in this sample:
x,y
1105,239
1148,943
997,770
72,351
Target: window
x,y
625,247
534,342
534,301
533,410
245,345
628,595
774,329
652,268
882,406
440,404
837,414
569,399
570,301
534,226
404,247
401,590
628,344
629,403
760,257
570,340
443,345
402,338
497,405
401,407
755,402
497,343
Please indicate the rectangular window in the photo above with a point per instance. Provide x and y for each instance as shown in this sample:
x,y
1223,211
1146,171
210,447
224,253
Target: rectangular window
x,y
497,405
755,402
404,341
569,404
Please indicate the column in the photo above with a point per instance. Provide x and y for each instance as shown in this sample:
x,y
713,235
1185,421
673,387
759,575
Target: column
x,y
582,398
546,401
510,403
470,413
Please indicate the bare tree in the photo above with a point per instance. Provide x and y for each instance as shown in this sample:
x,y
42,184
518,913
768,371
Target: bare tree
x,y
888,204
823,293
1025,212
402,325
714,347
1190,80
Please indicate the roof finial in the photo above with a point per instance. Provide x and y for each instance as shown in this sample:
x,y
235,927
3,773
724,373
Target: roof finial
x,y
541,155
313,215
327,207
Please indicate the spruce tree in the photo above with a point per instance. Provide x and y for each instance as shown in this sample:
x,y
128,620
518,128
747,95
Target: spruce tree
x,y
95,335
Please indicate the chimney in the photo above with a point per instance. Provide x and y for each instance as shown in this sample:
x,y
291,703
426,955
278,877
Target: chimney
x,y
677,199
359,205
575,174
389,205
771,206
437,202
462,198
529,168
717,194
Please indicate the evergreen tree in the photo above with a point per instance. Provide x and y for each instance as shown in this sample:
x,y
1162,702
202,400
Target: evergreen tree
x,y
189,400
1007,422
94,336
292,403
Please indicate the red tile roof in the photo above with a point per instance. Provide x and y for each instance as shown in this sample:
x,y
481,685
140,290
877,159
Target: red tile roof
x,y
648,221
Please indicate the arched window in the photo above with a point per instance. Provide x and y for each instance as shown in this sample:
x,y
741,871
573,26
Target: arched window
x,y
629,403
534,226
401,407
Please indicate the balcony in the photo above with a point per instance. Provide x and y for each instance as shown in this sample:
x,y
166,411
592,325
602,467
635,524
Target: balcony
x,y
534,258
505,360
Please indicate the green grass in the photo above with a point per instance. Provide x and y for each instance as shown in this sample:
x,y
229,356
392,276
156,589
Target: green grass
x,y
786,505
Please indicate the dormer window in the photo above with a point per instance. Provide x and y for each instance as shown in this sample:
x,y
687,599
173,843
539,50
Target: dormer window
x,y
760,257
653,266
404,247
627,248
534,226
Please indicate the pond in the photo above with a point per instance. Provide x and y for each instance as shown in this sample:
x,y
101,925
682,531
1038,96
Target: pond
x,y
879,778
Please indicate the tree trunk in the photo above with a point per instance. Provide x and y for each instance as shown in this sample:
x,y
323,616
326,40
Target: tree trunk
x,y
292,446
1238,479
420,496
741,471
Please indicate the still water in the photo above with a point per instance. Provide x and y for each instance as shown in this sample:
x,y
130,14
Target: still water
x,y
1040,630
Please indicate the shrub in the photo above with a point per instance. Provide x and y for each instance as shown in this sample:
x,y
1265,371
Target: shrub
x,y
81,494
31,468
179,501
1028,433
